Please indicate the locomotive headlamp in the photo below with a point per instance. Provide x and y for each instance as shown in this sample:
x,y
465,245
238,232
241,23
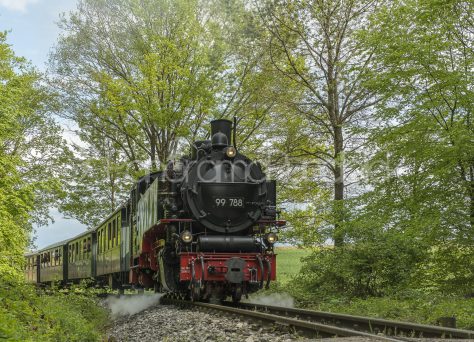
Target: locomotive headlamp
x,y
186,236
231,152
271,238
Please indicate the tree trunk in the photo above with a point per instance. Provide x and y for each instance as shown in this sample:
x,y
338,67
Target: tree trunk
x,y
338,186
153,141
471,198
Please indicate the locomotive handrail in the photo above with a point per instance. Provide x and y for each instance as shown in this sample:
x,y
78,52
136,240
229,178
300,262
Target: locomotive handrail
x,y
269,275
202,270
262,270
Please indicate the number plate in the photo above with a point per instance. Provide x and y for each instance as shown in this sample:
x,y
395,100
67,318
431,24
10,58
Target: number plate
x,y
229,202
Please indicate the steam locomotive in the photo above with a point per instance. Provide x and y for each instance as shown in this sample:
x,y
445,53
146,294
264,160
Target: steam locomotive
x,y
204,228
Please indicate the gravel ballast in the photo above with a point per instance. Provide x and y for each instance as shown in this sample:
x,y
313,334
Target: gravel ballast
x,y
170,323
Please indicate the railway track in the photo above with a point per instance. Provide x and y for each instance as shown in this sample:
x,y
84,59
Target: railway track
x,y
325,324
367,324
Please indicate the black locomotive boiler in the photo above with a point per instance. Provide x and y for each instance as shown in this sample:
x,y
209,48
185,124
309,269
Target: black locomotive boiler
x,y
204,227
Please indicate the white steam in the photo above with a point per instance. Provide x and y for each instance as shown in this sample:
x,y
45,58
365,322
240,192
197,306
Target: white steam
x,y
274,299
131,305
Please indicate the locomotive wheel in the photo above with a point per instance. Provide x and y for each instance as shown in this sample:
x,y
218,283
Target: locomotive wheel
x,y
195,293
237,294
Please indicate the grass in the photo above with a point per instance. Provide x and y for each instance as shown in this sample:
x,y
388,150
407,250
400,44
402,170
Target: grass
x,y
28,314
289,262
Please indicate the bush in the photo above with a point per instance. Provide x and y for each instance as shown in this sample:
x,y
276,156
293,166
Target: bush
x,y
448,269
360,270
30,315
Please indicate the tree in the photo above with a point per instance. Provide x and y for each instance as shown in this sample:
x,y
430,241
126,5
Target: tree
x,y
422,174
317,39
30,152
97,182
145,69
424,69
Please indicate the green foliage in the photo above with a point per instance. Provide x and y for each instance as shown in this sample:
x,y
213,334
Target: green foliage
x,y
422,171
448,269
30,152
28,315
97,182
412,227
372,268
142,73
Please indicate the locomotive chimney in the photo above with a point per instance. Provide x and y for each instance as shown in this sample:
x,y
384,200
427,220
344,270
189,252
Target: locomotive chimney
x,y
223,126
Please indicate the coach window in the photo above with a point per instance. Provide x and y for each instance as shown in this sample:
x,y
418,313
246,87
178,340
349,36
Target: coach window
x,y
98,241
101,248
109,235
102,240
118,232
114,232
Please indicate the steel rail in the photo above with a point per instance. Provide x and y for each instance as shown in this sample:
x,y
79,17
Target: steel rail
x,y
360,323
315,329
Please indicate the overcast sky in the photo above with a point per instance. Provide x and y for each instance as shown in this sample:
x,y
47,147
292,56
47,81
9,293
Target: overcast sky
x,y
33,33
